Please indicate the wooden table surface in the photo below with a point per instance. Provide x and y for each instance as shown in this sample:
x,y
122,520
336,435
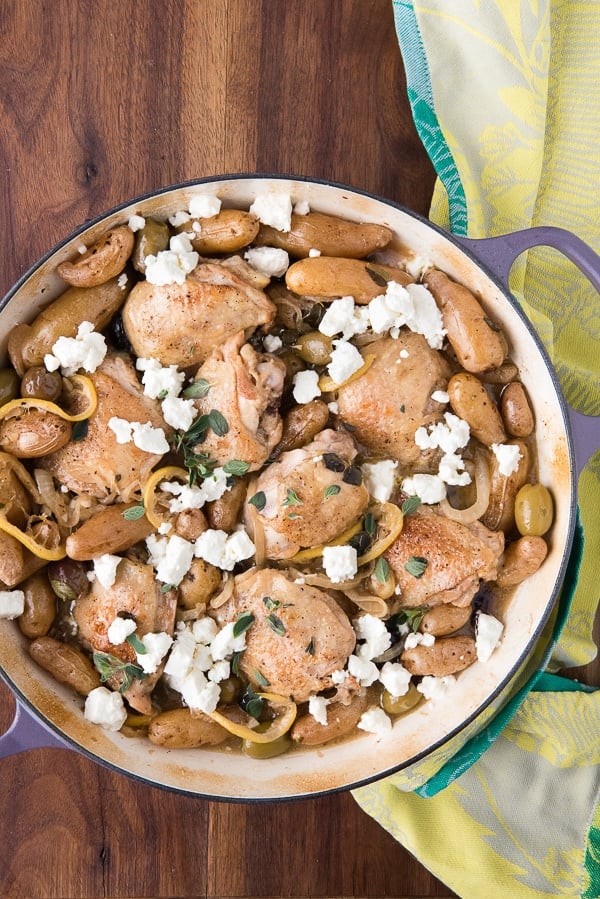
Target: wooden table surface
x,y
101,102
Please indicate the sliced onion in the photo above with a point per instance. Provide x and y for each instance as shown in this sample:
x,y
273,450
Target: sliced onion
x,y
220,598
482,485
276,728
368,602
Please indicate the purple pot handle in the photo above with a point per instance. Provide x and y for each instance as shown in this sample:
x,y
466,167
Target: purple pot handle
x,y
28,732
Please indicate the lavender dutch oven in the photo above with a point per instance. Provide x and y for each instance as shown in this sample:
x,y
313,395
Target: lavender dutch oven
x,y
421,742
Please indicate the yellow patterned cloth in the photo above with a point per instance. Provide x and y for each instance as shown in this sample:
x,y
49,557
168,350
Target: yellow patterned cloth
x,y
506,98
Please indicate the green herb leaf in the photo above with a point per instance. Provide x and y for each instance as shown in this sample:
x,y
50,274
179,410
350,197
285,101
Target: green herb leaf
x,y
108,666
412,617
403,408
243,621
79,430
370,524
196,390
416,566
259,501
134,513
218,422
271,603
276,624
166,587
382,570
310,647
379,275
252,703
162,394
236,659
137,644
410,505
292,498
261,679
332,490
236,467
293,515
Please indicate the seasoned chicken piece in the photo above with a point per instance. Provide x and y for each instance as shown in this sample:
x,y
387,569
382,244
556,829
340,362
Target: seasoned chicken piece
x,y
181,324
445,559
299,635
387,404
135,594
311,496
245,387
98,465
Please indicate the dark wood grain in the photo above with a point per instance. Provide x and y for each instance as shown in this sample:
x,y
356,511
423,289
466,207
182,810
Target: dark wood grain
x,y
100,102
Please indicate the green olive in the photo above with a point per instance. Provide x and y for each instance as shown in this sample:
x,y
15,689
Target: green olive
x,y
68,579
231,690
41,384
9,385
314,348
149,241
266,750
534,510
399,705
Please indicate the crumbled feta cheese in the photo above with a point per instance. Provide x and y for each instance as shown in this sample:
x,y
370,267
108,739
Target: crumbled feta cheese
x,y
440,396
313,252
451,470
412,306
343,317
340,563
430,488
181,657
12,603
306,386
269,261
395,678
364,670
106,708
333,407
317,707
120,629
105,569
200,693
136,222
81,249
508,456
204,629
375,721
449,435
379,479
122,281
185,497
411,640
170,556
436,687
219,672
173,265
159,380
121,428
376,636
345,361
488,631
204,206
144,436
178,412
87,351
179,218
224,644
272,343
403,354
156,646
274,210
302,207
224,550
416,266
339,676
427,318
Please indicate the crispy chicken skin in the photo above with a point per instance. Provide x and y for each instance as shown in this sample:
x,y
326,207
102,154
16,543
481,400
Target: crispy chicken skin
x,y
458,557
246,387
98,465
297,512
136,593
181,324
299,635
387,404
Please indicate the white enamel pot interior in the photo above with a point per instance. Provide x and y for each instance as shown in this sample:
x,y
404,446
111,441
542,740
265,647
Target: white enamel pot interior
x,y
422,741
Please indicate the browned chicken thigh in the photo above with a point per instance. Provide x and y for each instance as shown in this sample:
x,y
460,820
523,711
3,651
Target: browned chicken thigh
x,y
181,324
98,465
387,404
245,387
311,496
437,560
299,635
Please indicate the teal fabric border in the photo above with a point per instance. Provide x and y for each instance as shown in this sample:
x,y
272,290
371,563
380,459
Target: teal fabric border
x,y
540,681
420,96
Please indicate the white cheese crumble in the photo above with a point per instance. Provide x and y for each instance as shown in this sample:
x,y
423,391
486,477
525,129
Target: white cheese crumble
x,y
508,456
204,206
430,488
144,436
12,603
173,265
272,343
105,569
179,218
373,632
375,721
395,678
488,631
306,386
345,361
302,207
120,629
449,435
317,707
170,556
313,252
157,646
436,687
159,380
340,563
178,412
379,478
440,396
343,317
185,497
87,351
106,708
224,550
365,671
411,640
136,222
274,210
413,306
269,261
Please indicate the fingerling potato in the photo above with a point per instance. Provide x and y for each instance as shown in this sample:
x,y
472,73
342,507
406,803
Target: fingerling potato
x,y
331,235
516,410
179,729
521,559
226,232
105,259
341,719
447,656
333,276
65,663
472,402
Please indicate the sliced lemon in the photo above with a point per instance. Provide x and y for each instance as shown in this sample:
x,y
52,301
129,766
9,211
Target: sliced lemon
x,y
313,552
151,492
274,730
390,521
30,543
80,383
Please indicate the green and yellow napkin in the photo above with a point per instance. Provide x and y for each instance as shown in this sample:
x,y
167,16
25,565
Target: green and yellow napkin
x,y
506,98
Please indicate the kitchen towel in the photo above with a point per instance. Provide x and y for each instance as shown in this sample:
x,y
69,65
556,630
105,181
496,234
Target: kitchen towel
x,y
506,99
